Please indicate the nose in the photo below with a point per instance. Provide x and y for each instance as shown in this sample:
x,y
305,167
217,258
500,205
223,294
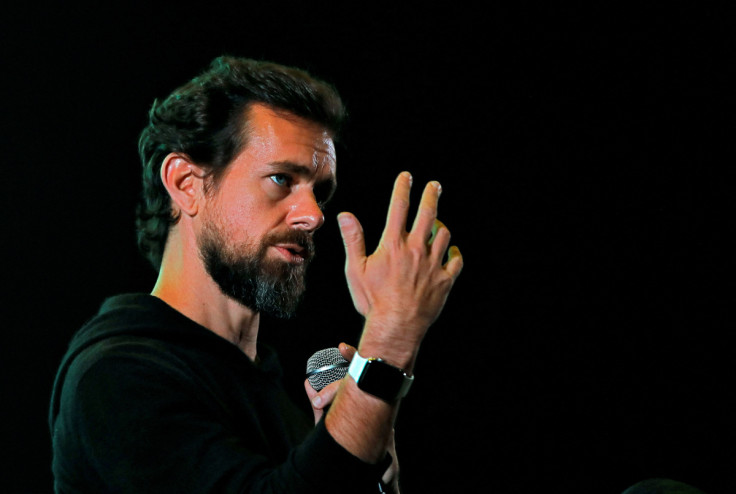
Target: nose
x,y
304,211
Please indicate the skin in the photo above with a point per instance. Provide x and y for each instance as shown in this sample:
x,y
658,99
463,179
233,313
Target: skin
x,y
277,183
271,186
400,289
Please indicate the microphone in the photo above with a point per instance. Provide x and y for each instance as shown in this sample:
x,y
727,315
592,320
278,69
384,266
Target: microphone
x,y
325,367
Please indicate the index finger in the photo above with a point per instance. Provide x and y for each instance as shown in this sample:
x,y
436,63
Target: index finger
x,y
324,397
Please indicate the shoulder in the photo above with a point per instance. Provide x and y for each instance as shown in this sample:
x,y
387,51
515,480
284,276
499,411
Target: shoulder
x,y
127,353
119,368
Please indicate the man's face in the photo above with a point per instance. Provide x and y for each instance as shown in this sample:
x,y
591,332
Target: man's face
x,y
256,231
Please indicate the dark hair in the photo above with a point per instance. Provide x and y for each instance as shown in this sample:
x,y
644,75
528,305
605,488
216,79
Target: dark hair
x,y
205,121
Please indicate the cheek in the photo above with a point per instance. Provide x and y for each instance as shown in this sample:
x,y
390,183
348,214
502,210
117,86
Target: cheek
x,y
247,220
249,207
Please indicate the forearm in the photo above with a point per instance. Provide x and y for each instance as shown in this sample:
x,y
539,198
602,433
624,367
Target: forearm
x,y
359,421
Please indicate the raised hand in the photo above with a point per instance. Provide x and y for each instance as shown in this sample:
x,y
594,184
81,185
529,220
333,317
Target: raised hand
x,y
402,287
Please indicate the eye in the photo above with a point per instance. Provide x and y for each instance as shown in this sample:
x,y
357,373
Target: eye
x,y
281,179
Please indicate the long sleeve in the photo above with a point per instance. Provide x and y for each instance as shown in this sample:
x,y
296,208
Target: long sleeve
x,y
152,402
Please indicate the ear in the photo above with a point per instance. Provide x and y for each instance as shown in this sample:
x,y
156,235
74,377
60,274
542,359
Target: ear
x,y
184,182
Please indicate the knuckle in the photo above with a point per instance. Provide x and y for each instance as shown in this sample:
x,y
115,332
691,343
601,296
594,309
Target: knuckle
x,y
417,250
427,211
445,232
352,236
401,204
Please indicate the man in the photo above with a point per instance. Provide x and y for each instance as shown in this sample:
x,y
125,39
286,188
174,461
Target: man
x,y
171,392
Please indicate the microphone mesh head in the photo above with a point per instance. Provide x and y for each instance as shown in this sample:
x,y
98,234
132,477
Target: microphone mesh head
x,y
326,366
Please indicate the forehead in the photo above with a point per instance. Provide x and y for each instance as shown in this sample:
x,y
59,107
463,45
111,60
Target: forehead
x,y
274,135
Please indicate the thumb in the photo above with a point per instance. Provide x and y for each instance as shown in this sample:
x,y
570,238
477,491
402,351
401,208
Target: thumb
x,y
352,237
347,351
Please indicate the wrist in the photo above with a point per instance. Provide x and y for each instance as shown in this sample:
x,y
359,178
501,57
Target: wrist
x,y
389,341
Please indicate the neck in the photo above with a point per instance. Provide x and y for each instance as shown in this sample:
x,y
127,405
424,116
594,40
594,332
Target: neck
x,y
184,284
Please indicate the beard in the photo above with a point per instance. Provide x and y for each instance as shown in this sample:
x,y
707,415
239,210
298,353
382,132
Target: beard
x,y
247,275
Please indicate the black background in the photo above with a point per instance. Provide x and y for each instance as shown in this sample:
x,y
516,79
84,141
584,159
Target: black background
x,y
586,157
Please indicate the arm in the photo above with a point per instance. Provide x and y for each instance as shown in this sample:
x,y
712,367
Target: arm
x,y
400,289
321,400
138,419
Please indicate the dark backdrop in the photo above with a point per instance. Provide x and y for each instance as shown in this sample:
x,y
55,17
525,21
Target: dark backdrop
x,y
587,163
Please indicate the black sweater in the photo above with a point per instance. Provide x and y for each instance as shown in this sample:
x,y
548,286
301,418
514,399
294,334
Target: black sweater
x,y
147,400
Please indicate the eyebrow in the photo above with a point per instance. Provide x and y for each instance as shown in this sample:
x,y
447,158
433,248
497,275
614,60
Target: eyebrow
x,y
325,187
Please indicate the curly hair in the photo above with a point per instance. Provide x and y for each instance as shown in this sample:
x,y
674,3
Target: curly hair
x,y
205,120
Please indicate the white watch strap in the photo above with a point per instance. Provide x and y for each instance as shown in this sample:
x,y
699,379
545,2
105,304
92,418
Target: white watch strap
x,y
408,381
356,366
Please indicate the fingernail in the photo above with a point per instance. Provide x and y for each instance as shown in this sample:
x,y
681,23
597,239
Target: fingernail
x,y
343,219
408,176
437,186
316,402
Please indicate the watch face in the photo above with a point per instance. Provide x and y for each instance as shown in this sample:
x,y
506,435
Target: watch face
x,y
382,380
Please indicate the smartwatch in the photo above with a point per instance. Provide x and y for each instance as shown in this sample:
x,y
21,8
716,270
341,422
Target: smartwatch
x,y
382,380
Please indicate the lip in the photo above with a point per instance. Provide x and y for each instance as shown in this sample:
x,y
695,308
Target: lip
x,y
293,253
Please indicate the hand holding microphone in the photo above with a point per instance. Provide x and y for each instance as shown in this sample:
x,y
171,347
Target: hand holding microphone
x,y
325,369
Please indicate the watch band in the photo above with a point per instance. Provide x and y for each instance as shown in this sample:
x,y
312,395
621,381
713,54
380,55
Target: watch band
x,y
379,378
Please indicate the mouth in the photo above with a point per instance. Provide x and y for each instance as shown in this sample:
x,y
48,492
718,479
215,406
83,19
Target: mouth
x,y
293,253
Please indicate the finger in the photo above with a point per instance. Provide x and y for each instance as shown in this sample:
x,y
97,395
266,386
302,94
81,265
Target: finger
x,y
427,211
398,208
454,263
439,241
391,474
347,351
352,237
325,396
311,392
436,227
